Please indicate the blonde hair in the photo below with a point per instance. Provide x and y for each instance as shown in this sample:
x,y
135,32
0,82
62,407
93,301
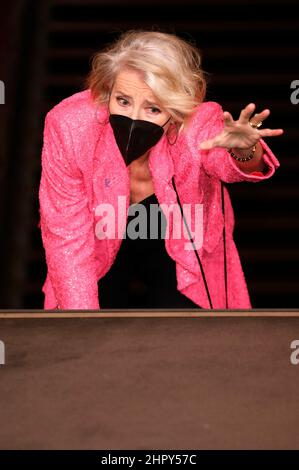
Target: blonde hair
x,y
170,65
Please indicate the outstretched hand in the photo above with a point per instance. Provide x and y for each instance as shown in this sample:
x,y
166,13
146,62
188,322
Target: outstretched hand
x,y
239,134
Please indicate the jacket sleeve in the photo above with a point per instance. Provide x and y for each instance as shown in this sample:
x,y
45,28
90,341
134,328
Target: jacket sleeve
x,y
219,163
66,222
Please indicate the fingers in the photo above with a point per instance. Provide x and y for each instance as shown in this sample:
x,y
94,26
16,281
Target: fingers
x,y
235,132
260,117
246,113
270,132
227,118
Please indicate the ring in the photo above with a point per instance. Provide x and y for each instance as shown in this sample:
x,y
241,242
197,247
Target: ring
x,y
255,125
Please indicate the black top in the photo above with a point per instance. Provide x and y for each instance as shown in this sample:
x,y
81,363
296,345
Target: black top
x,y
143,275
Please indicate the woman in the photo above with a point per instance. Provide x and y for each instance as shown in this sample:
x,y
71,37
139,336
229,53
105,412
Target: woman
x,y
141,132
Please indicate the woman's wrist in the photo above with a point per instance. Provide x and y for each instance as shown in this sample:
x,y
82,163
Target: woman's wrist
x,y
242,155
256,163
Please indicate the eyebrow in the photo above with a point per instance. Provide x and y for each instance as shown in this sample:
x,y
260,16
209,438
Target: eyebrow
x,y
128,96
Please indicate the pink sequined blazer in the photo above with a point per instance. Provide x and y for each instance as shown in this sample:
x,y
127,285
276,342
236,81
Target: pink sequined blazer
x,y
83,167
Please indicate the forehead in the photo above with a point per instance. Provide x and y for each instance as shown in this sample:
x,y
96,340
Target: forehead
x,y
131,82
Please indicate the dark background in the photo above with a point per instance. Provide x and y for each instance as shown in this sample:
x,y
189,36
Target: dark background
x,y
250,50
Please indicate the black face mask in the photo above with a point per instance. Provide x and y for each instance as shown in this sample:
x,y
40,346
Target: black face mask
x,y
134,137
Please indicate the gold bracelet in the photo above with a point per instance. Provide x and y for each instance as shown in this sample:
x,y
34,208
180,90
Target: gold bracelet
x,y
242,159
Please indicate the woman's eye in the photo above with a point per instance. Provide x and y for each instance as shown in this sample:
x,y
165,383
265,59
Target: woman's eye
x,y
122,101
155,110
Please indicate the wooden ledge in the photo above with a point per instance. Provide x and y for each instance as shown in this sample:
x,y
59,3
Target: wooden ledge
x,y
143,313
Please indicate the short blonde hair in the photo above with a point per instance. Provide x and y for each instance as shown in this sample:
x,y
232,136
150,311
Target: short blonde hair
x,y
170,65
